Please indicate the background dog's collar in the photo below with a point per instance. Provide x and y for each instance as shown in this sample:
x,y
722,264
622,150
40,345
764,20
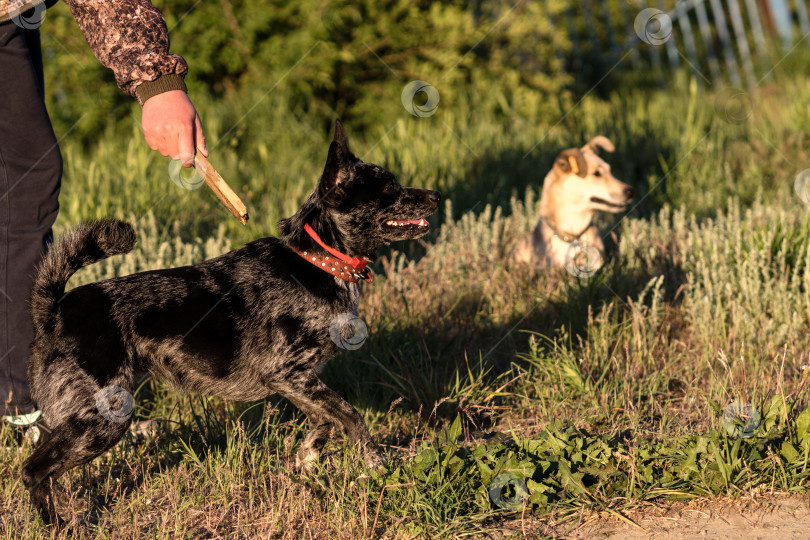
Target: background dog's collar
x,y
567,238
353,270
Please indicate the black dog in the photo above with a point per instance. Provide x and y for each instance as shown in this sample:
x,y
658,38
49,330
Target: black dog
x,y
251,323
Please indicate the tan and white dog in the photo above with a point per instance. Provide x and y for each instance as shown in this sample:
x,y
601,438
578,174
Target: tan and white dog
x,y
579,185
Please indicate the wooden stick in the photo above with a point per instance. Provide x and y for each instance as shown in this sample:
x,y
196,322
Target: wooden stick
x,y
222,190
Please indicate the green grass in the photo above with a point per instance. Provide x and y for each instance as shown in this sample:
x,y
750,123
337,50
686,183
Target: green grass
x,y
602,394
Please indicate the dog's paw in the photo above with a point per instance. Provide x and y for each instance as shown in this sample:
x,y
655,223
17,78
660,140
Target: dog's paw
x,y
305,459
374,460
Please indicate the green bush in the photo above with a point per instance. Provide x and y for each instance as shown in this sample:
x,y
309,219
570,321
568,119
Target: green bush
x,y
349,59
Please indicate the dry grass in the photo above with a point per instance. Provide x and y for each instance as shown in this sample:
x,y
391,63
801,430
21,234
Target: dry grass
x,y
706,301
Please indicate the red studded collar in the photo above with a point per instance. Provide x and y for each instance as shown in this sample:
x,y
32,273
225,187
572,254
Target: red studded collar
x,y
351,269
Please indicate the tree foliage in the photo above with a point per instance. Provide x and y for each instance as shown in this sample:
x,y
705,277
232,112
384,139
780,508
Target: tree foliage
x,y
337,58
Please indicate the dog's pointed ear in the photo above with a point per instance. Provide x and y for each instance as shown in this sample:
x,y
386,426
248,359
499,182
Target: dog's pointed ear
x,y
340,134
571,161
337,172
600,141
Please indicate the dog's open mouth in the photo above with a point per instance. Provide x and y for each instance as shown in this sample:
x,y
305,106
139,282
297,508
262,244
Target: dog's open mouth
x,y
419,224
597,200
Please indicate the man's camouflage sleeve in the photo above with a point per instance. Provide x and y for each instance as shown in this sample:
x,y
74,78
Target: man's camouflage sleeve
x,y
130,37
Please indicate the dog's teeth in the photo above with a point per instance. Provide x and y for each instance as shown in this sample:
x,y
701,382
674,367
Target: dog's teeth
x,y
422,222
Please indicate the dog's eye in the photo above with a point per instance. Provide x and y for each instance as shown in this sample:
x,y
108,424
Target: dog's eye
x,y
597,173
391,188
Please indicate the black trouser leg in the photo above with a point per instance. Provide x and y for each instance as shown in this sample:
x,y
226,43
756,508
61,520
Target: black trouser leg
x,y
30,174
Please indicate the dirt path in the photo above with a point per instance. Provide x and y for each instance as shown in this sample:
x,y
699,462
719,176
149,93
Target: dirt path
x,y
780,519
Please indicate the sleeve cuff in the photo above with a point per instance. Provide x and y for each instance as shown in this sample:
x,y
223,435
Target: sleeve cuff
x,y
164,83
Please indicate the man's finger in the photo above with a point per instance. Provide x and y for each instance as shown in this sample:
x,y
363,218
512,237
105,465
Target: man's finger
x,y
185,146
199,136
150,141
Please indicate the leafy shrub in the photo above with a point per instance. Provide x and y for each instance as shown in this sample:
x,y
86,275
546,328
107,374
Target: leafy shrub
x,y
342,58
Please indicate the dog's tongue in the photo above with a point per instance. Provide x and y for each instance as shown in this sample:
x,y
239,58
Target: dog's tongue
x,y
421,222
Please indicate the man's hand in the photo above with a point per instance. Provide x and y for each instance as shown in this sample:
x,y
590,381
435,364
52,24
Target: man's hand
x,y
172,127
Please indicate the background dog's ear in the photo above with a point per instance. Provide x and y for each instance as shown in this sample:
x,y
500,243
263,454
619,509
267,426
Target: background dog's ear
x,y
571,161
600,141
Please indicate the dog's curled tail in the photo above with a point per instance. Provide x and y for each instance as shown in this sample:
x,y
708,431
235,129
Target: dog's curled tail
x,y
86,244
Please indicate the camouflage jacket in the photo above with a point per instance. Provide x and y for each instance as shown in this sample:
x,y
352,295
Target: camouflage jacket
x,y
128,36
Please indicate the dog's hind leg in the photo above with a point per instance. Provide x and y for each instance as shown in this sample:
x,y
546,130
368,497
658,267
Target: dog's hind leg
x,y
71,444
38,476
325,408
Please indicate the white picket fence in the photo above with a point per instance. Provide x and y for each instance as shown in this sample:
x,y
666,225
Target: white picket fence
x,y
734,41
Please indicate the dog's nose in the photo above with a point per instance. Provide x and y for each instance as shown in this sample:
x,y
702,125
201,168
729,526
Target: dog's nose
x,y
629,193
435,196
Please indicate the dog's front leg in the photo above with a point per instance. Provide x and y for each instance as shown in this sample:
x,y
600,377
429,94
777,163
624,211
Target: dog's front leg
x,y
307,454
325,408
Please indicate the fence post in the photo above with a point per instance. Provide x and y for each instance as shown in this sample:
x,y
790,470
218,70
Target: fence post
x,y
672,49
682,14
781,18
708,40
756,26
742,42
804,23
634,55
725,42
